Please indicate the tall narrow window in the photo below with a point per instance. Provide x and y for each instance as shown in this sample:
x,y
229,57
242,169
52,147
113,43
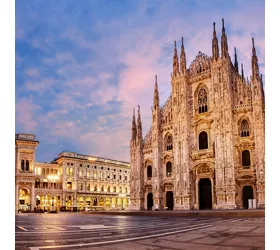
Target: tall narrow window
x,y
149,171
43,171
169,143
244,129
202,101
22,165
246,162
168,168
67,171
203,140
27,165
37,183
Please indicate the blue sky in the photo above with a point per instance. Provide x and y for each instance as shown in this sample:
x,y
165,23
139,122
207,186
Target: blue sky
x,y
82,66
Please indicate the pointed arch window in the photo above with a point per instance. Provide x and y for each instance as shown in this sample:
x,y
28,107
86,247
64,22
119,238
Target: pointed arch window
x,y
245,128
43,171
108,189
246,162
169,168
169,143
203,140
202,101
149,172
102,189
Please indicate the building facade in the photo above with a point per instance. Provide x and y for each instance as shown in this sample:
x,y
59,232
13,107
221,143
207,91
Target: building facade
x,y
71,181
206,146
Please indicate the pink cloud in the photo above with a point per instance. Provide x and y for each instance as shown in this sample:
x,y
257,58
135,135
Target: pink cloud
x,y
32,72
25,114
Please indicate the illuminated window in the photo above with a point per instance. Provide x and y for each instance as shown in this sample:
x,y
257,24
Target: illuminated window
x,y
69,185
39,171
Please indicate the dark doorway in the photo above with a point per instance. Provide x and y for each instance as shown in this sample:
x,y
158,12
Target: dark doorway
x,y
247,194
205,194
150,201
169,200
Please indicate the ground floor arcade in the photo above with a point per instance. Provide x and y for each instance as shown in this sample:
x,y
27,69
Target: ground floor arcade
x,y
28,198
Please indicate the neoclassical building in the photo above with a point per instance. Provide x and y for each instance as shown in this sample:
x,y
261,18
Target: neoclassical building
x,y
206,145
71,180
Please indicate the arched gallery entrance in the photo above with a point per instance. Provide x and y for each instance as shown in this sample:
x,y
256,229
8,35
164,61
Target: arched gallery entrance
x,y
24,199
205,194
150,201
247,194
169,200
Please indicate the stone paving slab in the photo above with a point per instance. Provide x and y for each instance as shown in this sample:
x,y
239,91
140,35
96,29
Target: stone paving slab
x,y
191,213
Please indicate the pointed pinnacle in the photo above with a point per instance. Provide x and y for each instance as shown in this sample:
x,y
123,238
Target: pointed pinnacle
x,y
223,25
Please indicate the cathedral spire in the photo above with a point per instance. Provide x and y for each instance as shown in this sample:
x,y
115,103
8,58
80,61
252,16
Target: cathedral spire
x,y
255,65
235,61
183,62
175,61
156,95
224,43
139,125
134,131
242,72
215,45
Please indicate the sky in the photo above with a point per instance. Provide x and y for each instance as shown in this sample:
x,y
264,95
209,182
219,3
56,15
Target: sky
x,y
82,66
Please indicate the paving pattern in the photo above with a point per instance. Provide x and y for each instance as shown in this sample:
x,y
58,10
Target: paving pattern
x,y
89,231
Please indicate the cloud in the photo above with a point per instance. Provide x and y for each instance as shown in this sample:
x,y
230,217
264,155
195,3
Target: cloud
x,y
96,66
26,114
32,72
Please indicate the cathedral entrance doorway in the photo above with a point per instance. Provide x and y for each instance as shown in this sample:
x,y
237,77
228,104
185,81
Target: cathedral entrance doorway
x,y
150,201
247,194
169,200
205,194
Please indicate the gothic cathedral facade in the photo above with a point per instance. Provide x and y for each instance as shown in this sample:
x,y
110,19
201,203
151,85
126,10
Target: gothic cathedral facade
x,y
206,146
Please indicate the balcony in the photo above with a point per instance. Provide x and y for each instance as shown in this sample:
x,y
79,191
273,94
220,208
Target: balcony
x,y
246,170
202,154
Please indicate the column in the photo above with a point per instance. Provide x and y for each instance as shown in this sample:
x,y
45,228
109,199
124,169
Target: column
x,y
63,200
33,198
75,200
17,199
196,206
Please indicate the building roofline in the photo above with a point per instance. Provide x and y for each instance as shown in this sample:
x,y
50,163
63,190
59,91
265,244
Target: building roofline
x,y
89,156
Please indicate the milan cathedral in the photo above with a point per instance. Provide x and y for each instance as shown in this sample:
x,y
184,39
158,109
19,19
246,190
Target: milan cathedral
x,y
205,148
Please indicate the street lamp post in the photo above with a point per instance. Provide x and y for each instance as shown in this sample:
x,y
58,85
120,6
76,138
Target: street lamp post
x,y
53,179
